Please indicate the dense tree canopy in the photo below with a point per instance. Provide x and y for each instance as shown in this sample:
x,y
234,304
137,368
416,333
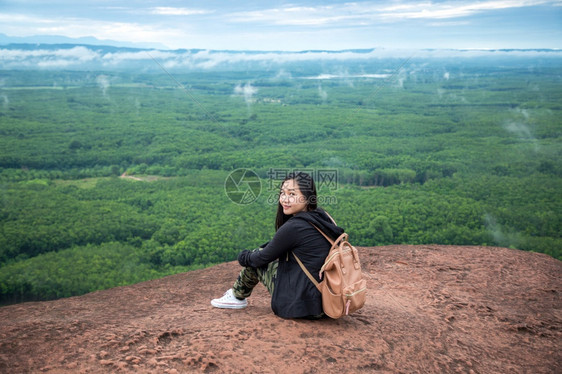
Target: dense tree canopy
x,y
109,187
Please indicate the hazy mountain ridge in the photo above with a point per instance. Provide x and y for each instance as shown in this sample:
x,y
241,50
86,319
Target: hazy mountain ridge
x,y
59,39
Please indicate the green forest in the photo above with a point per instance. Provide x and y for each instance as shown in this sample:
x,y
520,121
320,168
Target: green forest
x,y
109,178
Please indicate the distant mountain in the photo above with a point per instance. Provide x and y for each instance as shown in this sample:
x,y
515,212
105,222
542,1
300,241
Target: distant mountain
x,y
88,40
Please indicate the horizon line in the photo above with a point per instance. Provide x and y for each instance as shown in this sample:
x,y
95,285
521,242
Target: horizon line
x,y
355,50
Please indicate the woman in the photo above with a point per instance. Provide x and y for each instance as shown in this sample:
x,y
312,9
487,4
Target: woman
x,y
293,294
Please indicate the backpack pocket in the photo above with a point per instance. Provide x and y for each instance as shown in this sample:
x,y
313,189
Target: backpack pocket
x,y
332,303
354,296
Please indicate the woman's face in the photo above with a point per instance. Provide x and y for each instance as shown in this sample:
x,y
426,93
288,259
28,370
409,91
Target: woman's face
x,y
291,198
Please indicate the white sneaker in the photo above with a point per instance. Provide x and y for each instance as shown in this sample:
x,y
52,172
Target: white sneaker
x,y
229,301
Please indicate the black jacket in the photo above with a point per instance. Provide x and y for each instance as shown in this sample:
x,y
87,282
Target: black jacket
x,y
294,295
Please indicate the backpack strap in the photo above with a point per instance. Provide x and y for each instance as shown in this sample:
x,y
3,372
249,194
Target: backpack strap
x,y
324,235
343,236
332,218
304,269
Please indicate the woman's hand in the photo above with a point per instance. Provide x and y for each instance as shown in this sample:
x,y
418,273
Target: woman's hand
x,y
244,258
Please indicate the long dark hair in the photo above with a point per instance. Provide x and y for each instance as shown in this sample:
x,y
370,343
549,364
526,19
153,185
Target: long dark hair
x,y
307,188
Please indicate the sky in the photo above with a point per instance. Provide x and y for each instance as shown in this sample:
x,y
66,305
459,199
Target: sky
x,y
294,25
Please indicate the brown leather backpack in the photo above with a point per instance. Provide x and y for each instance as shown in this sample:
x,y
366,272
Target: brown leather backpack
x,y
343,288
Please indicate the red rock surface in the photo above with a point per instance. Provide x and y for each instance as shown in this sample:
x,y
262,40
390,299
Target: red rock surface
x,y
430,309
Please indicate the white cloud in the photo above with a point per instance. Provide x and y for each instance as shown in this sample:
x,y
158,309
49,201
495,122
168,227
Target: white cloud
x,y
370,13
350,14
103,83
520,127
170,11
75,27
247,91
322,93
152,59
78,54
5,101
282,74
57,63
448,23
119,57
326,76
455,9
298,16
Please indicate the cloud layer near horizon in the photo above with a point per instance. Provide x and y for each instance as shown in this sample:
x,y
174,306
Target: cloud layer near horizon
x,y
78,56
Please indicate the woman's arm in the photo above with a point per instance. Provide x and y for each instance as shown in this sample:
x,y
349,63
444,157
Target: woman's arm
x,y
283,240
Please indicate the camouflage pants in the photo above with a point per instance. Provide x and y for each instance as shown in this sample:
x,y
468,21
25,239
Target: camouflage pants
x,y
249,277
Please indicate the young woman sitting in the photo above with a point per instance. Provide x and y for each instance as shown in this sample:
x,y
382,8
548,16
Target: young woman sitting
x,y
293,295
